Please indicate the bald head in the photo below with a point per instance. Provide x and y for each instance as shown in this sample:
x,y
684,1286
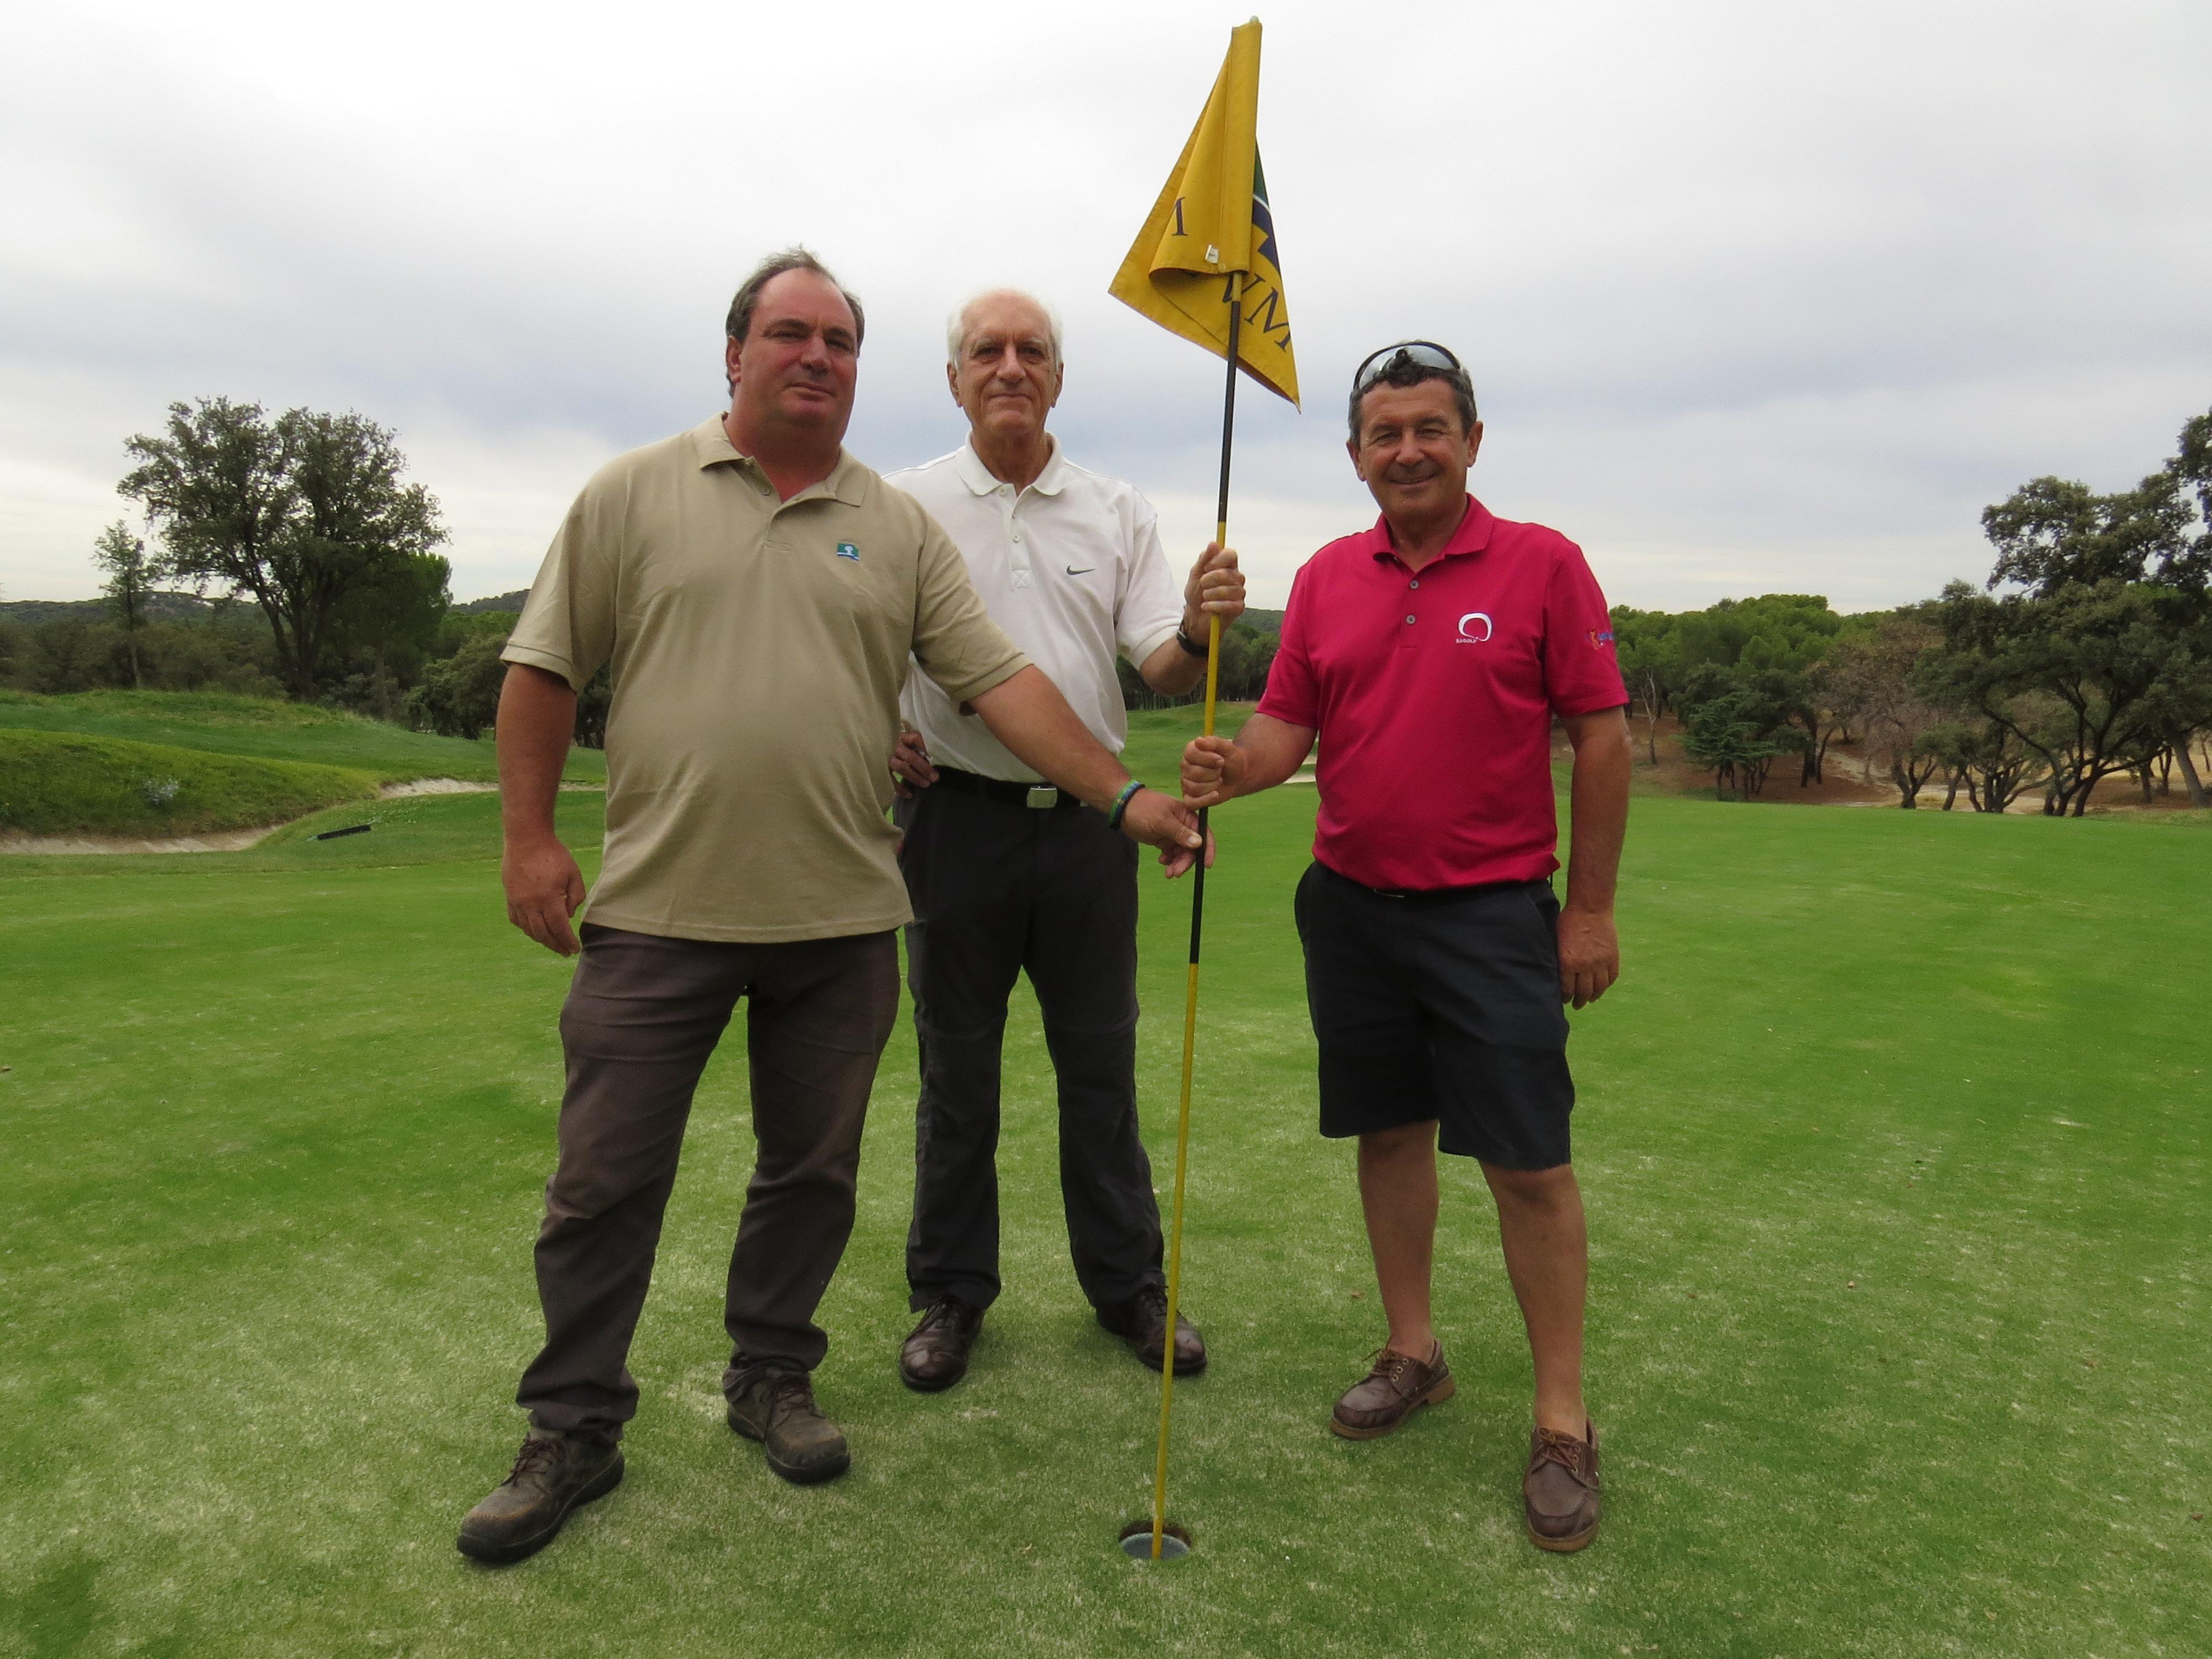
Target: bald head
x,y
1000,306
1002,352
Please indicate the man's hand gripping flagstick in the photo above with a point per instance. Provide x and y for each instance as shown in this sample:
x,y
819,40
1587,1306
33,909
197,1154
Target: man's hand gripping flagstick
x,y
1205,267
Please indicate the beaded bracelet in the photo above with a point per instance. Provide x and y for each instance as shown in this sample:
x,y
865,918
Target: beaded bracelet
x,y
1121,807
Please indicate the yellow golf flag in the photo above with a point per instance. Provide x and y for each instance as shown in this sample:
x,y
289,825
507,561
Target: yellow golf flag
x,y
1211,234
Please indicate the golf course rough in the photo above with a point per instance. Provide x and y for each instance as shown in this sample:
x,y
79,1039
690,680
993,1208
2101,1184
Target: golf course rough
x,y
1894,1137
54,783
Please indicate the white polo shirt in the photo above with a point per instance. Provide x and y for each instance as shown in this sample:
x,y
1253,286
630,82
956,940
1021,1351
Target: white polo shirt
x,y
1071,568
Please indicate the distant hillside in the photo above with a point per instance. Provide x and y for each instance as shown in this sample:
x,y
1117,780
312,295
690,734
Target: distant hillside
x,y
1265,621
160,607
496,602
266,728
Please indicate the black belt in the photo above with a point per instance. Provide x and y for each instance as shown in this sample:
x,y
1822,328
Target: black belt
x,y
1038,796
1427,895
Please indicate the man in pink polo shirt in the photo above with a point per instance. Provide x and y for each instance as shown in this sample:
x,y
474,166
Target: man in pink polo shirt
x,y
1430,656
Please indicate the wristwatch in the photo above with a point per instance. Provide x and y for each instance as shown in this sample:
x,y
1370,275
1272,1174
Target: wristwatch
x,y
1191,648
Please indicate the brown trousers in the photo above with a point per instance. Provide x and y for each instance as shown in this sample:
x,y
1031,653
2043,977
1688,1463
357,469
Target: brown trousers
x,y
641,1017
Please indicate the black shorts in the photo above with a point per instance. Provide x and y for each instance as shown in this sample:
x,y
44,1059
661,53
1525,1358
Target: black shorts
x,y
1442,1005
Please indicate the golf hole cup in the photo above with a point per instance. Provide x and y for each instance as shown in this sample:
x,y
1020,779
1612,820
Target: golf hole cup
x,y
1137,1541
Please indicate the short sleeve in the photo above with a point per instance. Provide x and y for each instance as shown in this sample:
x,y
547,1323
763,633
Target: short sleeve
x,y
1581,670
568,623
1151,609
1293,696
955,641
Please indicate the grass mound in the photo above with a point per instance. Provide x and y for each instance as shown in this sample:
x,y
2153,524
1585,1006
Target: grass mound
x,y
57,783
269,728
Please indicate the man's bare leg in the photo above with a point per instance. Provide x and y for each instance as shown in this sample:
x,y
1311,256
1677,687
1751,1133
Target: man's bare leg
x,y
1540,1222
1398,1193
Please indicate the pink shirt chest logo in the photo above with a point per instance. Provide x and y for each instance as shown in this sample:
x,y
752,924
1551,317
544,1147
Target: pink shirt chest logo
x,y
1474,629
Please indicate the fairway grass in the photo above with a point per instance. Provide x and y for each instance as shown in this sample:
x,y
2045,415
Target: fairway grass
x,y
1894,1136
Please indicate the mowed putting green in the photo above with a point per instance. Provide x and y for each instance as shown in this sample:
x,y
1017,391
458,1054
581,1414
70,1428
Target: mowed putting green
x,y
1894,1138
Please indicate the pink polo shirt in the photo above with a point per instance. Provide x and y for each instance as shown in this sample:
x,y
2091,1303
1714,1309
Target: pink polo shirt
x,y
1433,692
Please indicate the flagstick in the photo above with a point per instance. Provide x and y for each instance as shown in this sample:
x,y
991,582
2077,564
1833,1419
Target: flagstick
x,y
1197,920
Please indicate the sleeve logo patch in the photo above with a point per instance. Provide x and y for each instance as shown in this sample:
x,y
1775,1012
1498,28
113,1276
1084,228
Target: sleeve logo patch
x,y
846,550
1600,637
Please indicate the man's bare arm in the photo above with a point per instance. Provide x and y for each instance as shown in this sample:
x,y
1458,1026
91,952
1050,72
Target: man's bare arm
x,y
1215,588
1267,752
1027,713
537,718
1589,945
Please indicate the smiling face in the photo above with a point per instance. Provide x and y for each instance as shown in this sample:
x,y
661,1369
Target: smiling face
x,y
1413,454
1007,377
795,370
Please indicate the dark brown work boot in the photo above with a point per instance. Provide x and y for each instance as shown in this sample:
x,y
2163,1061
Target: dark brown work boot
x,y
1142,1323
776,1408
1560,1492
936,1353
553,1473
1397,1386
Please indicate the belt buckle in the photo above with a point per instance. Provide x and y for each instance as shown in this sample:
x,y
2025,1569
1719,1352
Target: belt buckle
x,y
1042,797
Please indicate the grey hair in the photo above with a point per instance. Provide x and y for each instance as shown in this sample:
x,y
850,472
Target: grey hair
x,y
747,297
956,325
1401,370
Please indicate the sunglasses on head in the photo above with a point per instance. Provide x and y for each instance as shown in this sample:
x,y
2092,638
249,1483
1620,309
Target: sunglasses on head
x,y
1427,353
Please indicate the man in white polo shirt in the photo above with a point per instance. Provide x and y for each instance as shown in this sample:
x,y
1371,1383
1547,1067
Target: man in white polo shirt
x,y
1007,875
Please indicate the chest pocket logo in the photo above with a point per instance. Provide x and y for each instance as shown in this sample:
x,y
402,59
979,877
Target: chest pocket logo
x,y
1474,628
846,550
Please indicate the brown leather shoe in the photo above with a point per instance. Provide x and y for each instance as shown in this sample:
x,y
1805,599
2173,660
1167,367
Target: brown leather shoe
x,y
1397,1386
553,1474
1560,1492
776,1408
936,1353
1142,1323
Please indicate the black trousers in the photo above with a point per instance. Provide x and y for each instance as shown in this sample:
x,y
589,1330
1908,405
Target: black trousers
x,y
1000,890
642,1016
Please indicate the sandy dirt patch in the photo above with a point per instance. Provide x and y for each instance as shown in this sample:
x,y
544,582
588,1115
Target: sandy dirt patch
x,y
221,840
463,786
232,840
436,786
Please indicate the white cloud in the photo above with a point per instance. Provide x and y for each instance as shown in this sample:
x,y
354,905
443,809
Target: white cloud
x,y
1758,296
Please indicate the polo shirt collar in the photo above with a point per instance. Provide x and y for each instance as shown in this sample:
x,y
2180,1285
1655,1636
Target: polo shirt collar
x,y
1054,479
981,481
847,482
1472,536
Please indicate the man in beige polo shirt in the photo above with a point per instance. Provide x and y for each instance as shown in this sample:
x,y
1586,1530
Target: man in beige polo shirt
x,y
757,592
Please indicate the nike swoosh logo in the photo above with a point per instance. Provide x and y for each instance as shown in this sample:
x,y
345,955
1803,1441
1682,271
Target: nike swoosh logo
x,y
1085,571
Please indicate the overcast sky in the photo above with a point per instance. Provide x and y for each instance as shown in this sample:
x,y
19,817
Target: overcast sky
x,y
1757,297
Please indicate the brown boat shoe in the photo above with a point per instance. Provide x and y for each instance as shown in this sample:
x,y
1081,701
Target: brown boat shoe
x,y
1397,1386
1559,1492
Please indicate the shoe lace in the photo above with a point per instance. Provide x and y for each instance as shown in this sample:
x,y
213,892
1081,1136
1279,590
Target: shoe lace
x,y
791,1391
1391,1366
942,1311
537,1451
1554,1447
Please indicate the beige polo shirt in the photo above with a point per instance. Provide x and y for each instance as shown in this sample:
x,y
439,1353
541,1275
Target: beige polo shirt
x,y
757,648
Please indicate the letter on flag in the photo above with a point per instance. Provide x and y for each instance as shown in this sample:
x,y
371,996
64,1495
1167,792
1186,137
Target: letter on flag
x,y
1210,230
